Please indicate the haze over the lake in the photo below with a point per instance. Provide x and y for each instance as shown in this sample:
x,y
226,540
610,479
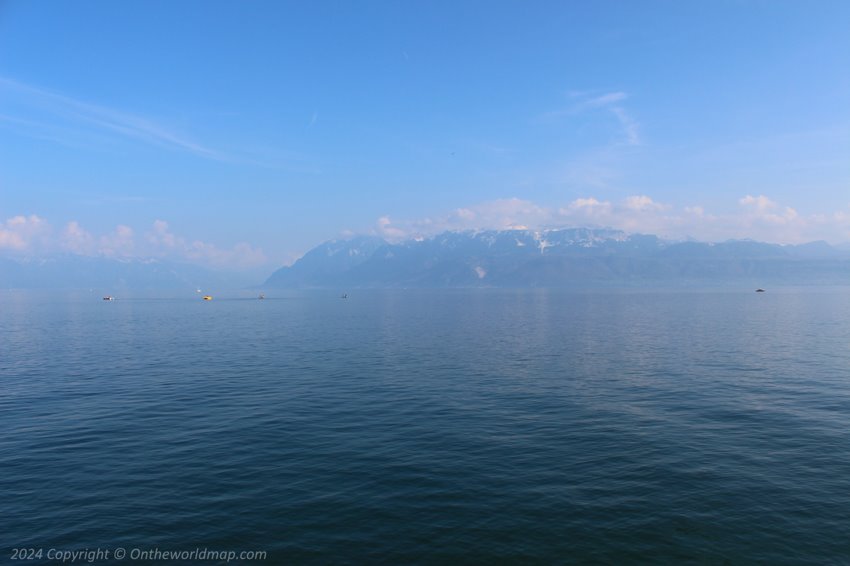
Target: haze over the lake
x,y
238,136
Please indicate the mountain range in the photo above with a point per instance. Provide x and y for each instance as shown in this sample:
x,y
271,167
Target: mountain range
x,y
558,258
572,257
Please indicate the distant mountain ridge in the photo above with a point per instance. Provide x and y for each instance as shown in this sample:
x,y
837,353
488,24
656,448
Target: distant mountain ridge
x,y
557,258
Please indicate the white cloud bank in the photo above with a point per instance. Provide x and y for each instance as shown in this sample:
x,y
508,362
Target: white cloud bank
x,y
33,235
168,244
23,233
756,217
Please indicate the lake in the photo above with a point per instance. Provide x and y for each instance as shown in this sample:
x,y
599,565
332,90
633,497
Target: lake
x,y
435,427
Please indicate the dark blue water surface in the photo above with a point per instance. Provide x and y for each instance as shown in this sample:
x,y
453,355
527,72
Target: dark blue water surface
x,y
452,427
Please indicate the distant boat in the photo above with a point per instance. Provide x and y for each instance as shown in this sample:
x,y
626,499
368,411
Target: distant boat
x,y
197,290
759,290
207,297
344,296
262,296
109,298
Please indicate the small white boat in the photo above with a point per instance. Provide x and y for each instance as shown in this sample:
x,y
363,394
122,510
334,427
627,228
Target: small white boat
x,y
109,298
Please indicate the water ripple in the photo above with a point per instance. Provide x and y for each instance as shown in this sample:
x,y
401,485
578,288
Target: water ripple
x,y
433,427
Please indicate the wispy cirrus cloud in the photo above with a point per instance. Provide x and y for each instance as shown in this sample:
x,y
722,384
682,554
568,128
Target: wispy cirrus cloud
x,y
583,102
602,100
631,129
45,114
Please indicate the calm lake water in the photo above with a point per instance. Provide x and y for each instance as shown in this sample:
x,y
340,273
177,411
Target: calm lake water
x,y
450,427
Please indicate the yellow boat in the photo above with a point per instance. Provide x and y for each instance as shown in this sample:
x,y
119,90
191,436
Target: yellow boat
x,y
207,297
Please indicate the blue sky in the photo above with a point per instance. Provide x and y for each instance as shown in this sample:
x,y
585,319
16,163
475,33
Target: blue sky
x,y
240,134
